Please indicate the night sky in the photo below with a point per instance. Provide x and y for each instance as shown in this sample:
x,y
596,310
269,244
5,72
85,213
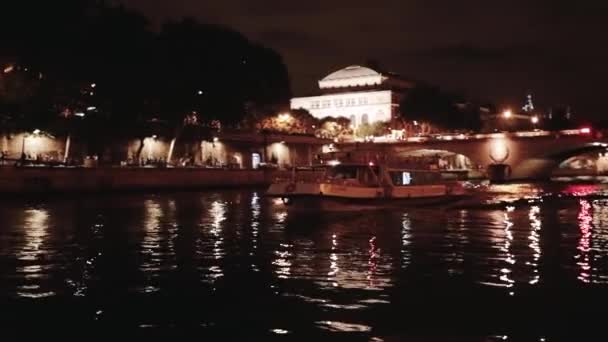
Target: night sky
x,y
489,50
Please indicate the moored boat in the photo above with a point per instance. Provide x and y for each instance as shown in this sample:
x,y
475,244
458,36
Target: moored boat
x,y
367,185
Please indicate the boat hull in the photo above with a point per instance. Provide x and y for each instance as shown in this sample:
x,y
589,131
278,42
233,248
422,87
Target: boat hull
x,y
329,203
281,189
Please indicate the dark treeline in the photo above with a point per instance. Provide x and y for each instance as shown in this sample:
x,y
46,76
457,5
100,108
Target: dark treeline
x,y
103,69
444,110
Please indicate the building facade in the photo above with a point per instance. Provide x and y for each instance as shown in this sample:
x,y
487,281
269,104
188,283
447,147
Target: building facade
x,y
358,93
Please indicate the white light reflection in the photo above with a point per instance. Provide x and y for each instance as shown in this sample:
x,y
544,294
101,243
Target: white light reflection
x,y
584,223
283,260
406,237
343,326
373,261
150,245
280,331
217,213
256,210
90,262
333,262
32,254
510,260
535,225
456,238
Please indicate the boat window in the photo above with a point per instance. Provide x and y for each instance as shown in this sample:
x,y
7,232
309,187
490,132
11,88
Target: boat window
x,y
342,172
413,177
368,175
406,178
362,174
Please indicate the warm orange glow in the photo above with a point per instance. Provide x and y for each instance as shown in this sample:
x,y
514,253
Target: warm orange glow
x,y
507,114
499,152
285,117
534,119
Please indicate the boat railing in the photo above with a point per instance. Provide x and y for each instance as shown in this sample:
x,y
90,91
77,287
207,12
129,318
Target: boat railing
x,y
347,182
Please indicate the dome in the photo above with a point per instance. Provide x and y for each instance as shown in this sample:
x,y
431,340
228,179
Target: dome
x,y
350,72
352,76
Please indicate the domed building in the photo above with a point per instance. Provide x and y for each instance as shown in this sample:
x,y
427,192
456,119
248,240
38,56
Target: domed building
x,y
359,93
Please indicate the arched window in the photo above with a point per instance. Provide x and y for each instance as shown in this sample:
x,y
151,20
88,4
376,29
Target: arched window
x,y
364,119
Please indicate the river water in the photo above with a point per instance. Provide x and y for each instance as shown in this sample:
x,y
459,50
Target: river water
x,y
515,262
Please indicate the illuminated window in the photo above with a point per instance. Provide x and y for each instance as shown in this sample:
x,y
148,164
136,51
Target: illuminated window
x,y
406,178
255,160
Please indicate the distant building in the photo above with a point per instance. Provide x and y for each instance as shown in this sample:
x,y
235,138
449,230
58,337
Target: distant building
x,y
358,93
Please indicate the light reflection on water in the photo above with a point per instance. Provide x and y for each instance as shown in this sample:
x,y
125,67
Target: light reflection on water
x,y
32,253
535,227
584,242
212,224
334,267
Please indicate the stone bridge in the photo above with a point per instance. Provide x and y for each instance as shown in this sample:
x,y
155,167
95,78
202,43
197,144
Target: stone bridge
x,y
530,155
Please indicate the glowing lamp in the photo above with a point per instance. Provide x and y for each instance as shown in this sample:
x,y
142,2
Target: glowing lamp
x,y
585,130
371,163
507,114
499,151
216,139
36,132
534,119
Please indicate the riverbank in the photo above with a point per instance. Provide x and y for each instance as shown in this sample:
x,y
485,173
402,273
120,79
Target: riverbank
x,y
57,180
42,180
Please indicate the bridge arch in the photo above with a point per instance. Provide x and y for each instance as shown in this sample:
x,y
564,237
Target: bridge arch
x,y
543,165
450,162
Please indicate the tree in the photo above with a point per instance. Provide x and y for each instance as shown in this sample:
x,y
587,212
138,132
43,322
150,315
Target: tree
x,y
375,129
334,128
298,121
90,57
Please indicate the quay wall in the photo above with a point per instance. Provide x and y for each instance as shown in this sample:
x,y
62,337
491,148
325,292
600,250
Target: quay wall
x,y
24,180
51,180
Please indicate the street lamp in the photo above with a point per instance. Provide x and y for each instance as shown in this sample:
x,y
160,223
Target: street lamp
x,y
534,119
285,117
507,114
